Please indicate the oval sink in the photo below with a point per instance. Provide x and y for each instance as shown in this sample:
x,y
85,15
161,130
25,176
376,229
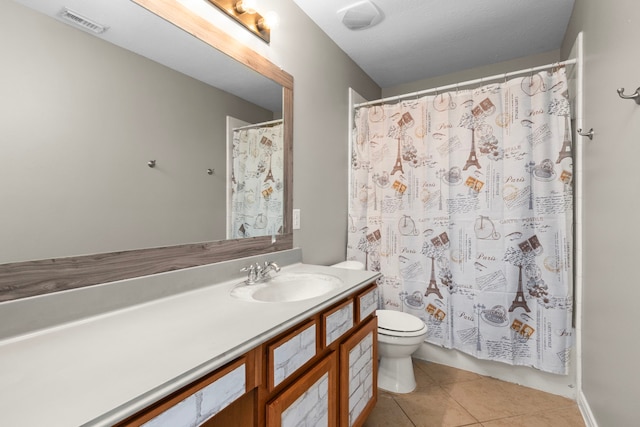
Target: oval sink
x,y
288,287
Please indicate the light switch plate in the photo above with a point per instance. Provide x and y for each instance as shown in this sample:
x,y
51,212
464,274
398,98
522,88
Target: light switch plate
x,y
296,219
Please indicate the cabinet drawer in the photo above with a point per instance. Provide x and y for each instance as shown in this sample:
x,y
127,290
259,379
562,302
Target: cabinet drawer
x,y
291,352
337,322
366,303
200,401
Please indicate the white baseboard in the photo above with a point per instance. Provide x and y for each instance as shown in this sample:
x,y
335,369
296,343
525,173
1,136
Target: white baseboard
x,y
585,410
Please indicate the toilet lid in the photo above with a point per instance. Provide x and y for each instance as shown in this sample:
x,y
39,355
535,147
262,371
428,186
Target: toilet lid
x,y
397,321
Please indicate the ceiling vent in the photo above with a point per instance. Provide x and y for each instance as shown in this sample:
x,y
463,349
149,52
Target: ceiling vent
x,y
360,16
80,21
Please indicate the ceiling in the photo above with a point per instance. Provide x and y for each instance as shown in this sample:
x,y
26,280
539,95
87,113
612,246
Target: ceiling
x,y
419,39
416,39
134,28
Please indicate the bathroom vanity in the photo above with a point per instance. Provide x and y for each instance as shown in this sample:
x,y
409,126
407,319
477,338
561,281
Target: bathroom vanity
x,y
199,356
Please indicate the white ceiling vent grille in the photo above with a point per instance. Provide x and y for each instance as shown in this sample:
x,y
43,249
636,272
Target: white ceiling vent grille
x,y
360,16
81,21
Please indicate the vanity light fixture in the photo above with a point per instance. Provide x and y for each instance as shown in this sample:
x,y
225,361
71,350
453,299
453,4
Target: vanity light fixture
x,y
245,13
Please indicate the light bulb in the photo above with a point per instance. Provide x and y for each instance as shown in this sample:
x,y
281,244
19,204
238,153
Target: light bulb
x,y
269,21
246,6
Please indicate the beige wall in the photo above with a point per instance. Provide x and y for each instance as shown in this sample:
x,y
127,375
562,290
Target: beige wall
x,y
322,76
474,73
610,349
80,119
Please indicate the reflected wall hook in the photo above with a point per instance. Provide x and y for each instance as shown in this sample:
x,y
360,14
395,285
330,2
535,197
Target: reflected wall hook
x,y
588,134
151,163
635,96
211,171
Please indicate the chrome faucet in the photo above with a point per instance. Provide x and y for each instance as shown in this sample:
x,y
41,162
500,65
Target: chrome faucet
x,y
257,273
268,266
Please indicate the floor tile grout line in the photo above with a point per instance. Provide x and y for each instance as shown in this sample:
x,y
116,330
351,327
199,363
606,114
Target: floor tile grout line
x,y
461,405
403,411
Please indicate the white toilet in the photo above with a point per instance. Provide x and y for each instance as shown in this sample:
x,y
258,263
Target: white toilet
x,y
399,336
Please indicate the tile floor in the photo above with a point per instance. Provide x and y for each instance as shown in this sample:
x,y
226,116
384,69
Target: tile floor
x,y
452,397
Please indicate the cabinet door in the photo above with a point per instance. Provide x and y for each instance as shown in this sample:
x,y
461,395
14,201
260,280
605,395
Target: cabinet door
x,y
359,374
309,401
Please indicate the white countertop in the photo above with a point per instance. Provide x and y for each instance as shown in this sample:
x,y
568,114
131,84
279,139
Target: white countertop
x,y
98,370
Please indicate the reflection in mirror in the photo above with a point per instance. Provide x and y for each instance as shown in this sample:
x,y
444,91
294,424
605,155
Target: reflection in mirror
x,y
256,180
88,116
84,114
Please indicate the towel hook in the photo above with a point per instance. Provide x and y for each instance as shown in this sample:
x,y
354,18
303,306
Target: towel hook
x,y
635,96
151,163
588,134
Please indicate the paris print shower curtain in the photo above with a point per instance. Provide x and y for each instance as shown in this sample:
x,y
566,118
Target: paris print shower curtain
x,y
256,181
463,201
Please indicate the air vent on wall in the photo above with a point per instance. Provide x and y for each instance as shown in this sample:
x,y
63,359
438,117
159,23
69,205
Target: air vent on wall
x,y
361,15
80,21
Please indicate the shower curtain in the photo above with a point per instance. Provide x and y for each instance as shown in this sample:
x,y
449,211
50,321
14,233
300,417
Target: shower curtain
x,y
256,181
463,201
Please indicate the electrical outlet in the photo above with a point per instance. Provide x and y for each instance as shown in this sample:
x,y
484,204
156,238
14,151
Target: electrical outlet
x,y
296,219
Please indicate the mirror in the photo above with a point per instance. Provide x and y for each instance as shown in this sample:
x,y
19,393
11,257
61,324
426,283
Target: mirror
x,y
83,185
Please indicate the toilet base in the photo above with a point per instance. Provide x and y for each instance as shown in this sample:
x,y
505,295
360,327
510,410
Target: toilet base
x,y
395,374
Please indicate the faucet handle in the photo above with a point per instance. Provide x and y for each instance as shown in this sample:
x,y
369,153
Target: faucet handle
x,y
272,265
253,273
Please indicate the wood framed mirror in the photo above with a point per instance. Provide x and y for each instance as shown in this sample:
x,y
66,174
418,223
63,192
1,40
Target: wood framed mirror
x,y
26,275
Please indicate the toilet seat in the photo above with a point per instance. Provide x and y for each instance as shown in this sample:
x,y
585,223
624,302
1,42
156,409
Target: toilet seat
x,y
399,324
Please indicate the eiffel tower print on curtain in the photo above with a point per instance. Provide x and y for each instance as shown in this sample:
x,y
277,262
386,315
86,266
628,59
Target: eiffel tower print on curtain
x,y
472,160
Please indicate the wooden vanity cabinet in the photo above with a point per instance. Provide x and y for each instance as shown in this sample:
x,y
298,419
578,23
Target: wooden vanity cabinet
x,y
346,348
321,372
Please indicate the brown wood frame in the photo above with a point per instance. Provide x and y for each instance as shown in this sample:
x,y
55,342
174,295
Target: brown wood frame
x,y
31,278
323,338
272,347
289,395
252,373
358,298
370,327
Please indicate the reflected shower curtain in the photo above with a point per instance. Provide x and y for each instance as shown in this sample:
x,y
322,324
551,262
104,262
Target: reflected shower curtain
x,y
256,181
463,201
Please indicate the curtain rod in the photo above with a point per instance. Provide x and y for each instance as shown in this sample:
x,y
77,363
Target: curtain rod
x,y
467,83
263,124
